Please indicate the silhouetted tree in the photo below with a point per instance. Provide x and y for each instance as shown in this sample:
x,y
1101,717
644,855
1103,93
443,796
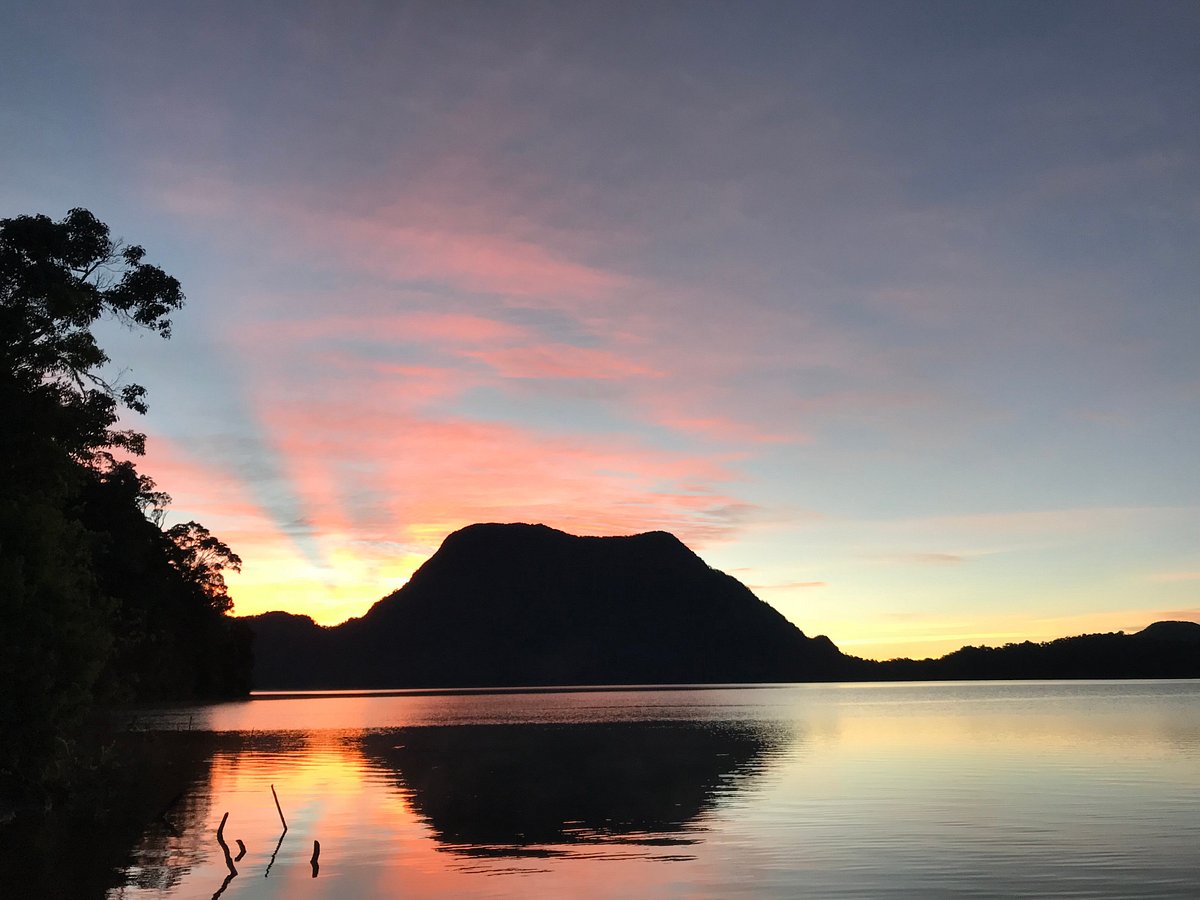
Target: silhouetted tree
x,y
200,559
96,601
56,280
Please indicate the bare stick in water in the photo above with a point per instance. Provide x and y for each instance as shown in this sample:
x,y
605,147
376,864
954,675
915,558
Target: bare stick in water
x,y
228,859
279,809
241,850
225,846
267,874
316,855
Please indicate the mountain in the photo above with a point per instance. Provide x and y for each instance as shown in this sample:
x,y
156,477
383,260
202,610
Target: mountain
x,y
508,605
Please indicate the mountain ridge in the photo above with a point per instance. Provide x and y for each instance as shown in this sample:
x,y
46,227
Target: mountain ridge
x,y
525,604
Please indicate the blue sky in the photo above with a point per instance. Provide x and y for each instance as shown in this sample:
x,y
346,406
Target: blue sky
x,y
888,309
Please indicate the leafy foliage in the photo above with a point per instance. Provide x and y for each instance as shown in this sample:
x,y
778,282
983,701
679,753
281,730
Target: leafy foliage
x,y
56,280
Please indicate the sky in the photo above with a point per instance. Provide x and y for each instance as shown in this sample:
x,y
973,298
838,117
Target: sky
x,y
890,310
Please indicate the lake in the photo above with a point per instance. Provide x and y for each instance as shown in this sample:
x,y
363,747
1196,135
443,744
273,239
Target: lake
x,y
1081,789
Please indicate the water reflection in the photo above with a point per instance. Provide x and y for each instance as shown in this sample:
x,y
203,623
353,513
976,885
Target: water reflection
x,y
538,790
390,807
834,791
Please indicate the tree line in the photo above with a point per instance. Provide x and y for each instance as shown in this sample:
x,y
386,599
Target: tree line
x,y
99,602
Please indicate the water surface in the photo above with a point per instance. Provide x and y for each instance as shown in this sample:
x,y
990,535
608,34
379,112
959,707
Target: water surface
x,y
1087,789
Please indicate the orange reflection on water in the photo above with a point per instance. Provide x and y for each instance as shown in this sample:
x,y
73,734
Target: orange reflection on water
x,y
459,811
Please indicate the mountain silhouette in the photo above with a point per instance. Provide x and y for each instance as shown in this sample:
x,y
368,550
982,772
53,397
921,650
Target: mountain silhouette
x,y
508,605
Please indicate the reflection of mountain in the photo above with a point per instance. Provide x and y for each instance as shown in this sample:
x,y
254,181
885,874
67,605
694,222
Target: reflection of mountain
x,y
513,789
526,604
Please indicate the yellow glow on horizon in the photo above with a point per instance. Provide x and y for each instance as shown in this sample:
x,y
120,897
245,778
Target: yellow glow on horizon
x,y
345,587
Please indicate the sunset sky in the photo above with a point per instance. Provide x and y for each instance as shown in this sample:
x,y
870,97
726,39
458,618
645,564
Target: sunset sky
x,y
890,310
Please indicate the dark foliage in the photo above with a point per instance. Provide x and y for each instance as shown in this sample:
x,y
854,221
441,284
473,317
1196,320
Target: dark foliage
x,y
1162,650
97,602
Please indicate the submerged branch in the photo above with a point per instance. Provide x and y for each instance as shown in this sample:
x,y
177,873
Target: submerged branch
x,y
279,809
228,858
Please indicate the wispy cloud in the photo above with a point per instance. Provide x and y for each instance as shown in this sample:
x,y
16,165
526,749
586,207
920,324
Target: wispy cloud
x,y
922,559
788,585
562,361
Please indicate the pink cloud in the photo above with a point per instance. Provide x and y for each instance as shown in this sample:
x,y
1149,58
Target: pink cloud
x,y
373,453
385,472
681,348
424,385
197,487
425,233
458,329
479,262
724,429
442,328
204,490
562,361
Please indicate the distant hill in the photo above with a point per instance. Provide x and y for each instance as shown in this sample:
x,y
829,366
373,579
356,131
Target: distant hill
x,y
508,605
1161,650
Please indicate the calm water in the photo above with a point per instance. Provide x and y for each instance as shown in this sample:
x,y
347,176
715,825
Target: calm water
x,y
1067,788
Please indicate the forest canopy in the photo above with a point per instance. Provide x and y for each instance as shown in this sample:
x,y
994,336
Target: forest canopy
x,y
99,603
